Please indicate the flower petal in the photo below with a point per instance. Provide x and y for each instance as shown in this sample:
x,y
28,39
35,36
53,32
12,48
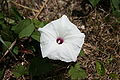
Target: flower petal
x,y
63,52
48,29
77,39
48,48
73,30
73,40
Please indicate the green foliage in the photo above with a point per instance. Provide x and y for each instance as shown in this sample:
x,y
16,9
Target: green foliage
x,y
19,70
1,73
76,72
19,29
110,59
94,2
38,24
1,40
16,28
116,13
15,49
114,6
36,35
39,66
1,15
6,45
16,14
25,28
113,75
5,32
82,53
1,23
26,32
100,68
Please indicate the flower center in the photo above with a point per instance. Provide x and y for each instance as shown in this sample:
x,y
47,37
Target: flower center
x,y
59,40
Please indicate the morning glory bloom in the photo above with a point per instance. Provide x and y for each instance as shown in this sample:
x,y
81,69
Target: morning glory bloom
x,y
61,40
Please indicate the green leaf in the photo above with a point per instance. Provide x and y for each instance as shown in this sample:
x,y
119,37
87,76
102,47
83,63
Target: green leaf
x,y
6,33
39,66
22,24
1,73
94,2
36,35
1,22
15,50
39,24
6,45
33,48
82,53
16,74
116,13
26,32
1,15
100,68
115,4
110,59
16,13
114,76
76,72
1,40
24,28
19,70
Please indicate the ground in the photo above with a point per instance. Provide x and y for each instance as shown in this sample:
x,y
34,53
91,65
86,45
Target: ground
x,y
102,32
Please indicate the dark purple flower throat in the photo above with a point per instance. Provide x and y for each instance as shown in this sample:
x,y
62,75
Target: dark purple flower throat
x,y
60,40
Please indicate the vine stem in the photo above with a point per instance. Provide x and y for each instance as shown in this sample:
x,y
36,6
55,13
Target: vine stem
x,y
41,9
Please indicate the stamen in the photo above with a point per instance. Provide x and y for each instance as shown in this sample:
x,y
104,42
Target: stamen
x,y
59,40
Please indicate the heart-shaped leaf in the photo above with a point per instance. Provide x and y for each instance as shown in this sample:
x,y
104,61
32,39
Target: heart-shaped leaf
x,y
76,72
100,68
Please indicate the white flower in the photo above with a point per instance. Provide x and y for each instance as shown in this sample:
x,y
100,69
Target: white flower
x,y
61,40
